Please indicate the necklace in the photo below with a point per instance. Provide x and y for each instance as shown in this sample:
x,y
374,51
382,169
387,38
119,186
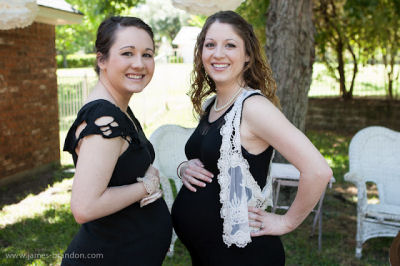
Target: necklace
x,y
114,102
227,103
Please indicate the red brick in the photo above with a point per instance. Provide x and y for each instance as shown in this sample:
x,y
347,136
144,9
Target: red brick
x,y
28,99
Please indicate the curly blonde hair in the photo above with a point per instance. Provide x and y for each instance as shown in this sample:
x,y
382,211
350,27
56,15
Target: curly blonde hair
x,y
257,73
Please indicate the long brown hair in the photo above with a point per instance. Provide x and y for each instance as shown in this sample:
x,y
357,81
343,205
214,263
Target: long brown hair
x,y
257,73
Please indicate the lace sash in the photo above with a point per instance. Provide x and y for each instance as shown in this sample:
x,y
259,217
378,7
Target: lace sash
x,y
238,187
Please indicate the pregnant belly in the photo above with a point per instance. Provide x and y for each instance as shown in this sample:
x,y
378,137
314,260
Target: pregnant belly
x,y
196,215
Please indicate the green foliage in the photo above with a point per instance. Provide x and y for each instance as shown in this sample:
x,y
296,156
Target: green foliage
x,y
381,20
197,20
254,11
339,40
77,60
355,31
174,59
97,10
168,27
72,38
66,39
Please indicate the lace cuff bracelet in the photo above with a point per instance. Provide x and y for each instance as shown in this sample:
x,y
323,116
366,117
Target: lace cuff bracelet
x,y
151,183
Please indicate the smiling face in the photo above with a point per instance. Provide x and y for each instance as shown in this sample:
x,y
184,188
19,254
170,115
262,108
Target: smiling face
x,y
129,66
224,55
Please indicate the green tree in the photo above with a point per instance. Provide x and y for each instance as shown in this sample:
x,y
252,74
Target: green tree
x,y
389,42
72,38
96,10
340,40
382,20
254,11
353,32
66,42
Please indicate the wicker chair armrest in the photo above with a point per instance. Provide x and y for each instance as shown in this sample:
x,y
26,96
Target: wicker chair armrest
x,y
361,188
353,178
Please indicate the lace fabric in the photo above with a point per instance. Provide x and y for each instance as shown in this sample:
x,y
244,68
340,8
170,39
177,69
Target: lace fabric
x,y
238,187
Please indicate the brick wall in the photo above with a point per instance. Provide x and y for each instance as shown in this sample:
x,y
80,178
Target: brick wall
x,y
29,137
348,117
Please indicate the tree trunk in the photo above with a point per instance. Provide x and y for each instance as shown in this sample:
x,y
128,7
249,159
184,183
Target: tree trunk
x,y
391,73
64,58
389,64
390,89
290,50
349,94
342,73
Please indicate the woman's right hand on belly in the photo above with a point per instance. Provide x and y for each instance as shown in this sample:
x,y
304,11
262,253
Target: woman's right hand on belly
x,y
193,174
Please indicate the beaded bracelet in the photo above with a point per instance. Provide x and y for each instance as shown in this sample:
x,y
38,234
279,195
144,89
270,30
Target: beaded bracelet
x,y
178,169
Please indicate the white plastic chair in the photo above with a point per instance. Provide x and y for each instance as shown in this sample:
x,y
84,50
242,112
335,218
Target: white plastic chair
x,y
169,146
374,156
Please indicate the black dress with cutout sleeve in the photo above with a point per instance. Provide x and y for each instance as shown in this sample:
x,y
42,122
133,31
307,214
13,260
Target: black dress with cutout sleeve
x,y
133,235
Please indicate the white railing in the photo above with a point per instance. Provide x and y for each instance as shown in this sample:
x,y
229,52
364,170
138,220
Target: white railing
x,y
166,90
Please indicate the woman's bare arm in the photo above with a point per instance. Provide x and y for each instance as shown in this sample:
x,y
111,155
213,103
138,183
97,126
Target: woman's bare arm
x,y
266,123
91,198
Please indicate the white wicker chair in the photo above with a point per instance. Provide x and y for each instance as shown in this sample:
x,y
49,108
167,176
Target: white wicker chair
x,y
374,156
169,146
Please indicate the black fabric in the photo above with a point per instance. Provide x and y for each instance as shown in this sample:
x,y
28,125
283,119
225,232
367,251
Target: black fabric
x,y
133,235
196,215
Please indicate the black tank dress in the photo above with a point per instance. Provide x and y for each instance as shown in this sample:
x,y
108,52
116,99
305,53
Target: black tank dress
x,y
133,235
196,215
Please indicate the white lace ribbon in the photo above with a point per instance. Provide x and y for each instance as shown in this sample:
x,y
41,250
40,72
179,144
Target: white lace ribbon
x,y
238,187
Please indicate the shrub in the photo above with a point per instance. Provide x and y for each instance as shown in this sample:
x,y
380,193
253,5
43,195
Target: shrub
x,y
77,60
174,59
